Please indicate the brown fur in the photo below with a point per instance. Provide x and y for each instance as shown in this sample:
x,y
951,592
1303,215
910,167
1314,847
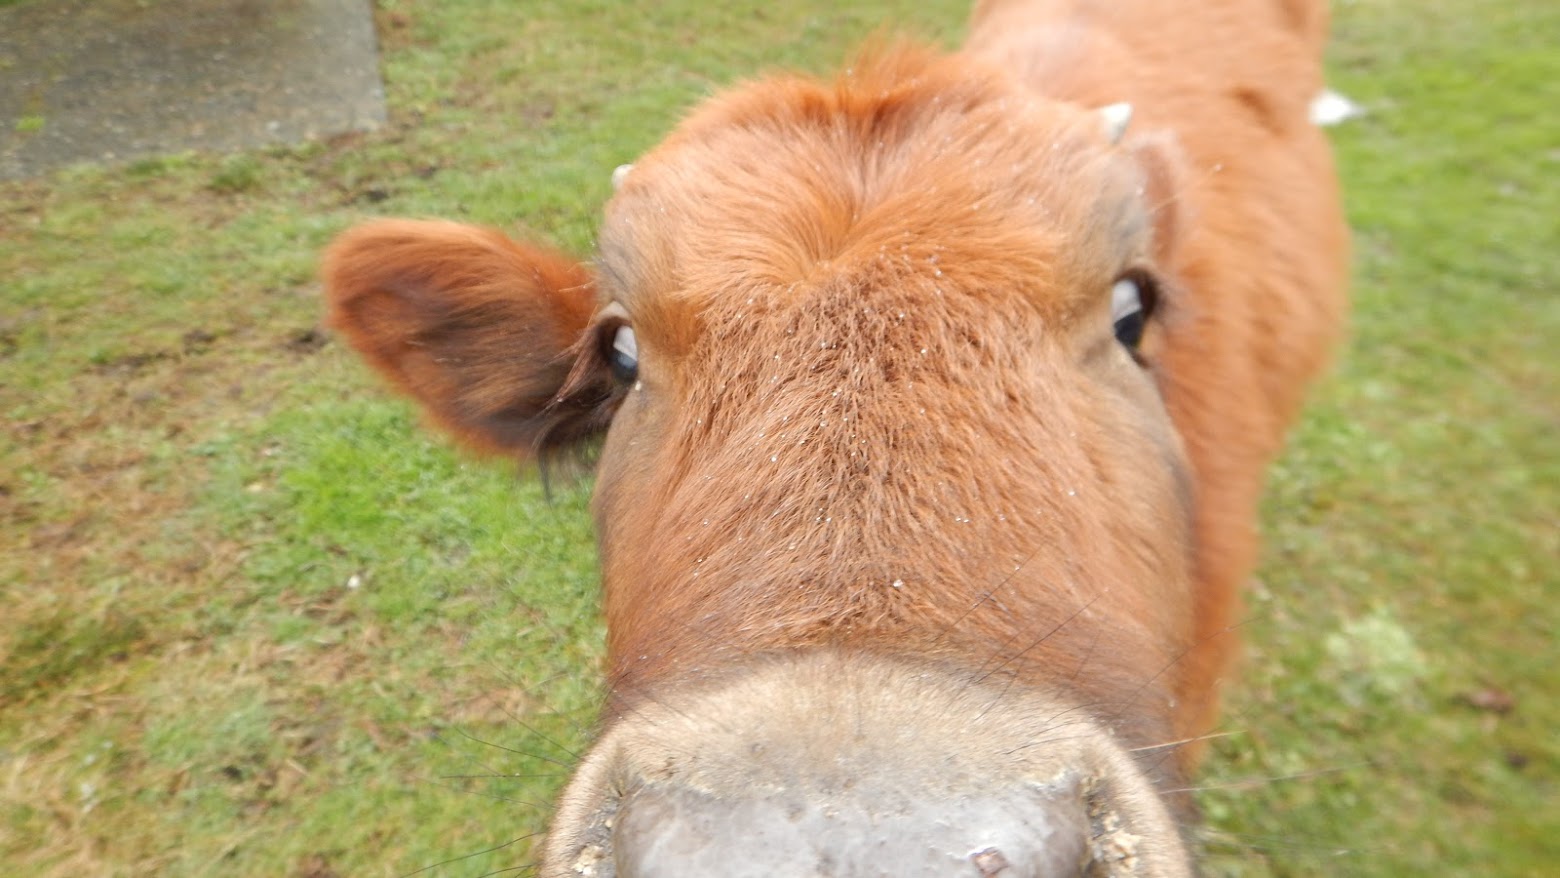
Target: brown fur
x,y
879,403
1264,273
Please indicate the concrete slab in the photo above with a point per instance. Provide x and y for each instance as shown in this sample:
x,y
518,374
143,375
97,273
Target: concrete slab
x,y
107,80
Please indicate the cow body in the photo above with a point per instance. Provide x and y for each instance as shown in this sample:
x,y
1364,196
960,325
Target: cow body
x,y
915,561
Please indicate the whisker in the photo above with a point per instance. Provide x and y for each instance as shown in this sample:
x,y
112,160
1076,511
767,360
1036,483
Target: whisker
x,y
1083,660
469,757
1042,638
1176,660
618,709
1256,782
498,776
1184,741
510,869
1239,840
1053,739
516,717
471,792
464,857
988,595
474,739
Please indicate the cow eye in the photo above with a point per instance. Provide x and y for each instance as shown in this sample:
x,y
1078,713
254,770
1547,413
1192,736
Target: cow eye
x,y
1131,302
623,355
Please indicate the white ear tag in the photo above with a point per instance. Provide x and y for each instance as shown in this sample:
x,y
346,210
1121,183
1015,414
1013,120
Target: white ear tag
x,y
1332,108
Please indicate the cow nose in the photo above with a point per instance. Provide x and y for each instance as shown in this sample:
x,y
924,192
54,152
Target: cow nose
x,y
853,766
1028,831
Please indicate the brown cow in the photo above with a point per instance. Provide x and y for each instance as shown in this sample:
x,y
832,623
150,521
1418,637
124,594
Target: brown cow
x,y
936,414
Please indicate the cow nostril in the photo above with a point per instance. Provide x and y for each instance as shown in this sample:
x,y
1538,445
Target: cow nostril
x,y
990,862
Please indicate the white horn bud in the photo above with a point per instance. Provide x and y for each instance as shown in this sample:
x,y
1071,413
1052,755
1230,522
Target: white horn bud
x,y
1115,119
619,174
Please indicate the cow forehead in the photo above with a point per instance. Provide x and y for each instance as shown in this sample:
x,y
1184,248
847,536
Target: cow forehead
x,y
825,184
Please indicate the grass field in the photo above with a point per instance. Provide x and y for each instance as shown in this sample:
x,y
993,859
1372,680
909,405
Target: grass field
x,y
255,622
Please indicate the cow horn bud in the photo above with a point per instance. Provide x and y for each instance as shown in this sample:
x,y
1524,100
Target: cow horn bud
x,y
1115,118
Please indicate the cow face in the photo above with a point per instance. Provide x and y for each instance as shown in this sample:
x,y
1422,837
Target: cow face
x,y
894,528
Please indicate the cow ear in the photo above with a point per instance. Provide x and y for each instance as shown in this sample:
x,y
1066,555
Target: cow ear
x,y
487,334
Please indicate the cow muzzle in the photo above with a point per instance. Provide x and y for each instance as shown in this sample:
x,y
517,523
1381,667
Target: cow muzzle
x,y
830,765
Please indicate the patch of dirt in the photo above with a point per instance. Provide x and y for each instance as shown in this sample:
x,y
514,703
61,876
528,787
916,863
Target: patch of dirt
x,y
198,341
335,169
106,471
306,341
1490,699
131,363
537,112
499,706
332,607
315,866
46,654
192,343
395,29
58,534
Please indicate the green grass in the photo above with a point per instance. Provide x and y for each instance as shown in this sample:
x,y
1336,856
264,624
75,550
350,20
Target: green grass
x,y
255,621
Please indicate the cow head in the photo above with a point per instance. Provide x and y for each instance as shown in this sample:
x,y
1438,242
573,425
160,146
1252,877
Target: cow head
x,y
894,528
